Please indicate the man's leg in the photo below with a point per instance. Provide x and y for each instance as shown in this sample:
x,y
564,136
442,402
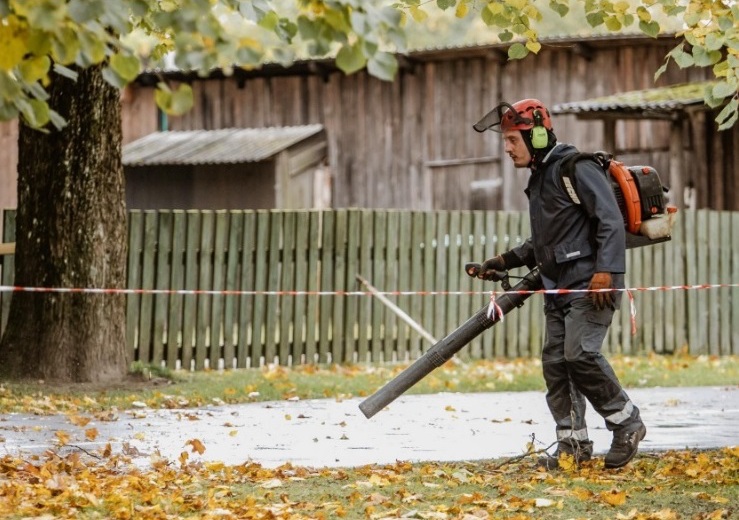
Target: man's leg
x,y
586,328
566,403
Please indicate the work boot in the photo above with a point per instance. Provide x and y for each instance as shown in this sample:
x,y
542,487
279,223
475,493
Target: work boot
x,y
624,445
581,452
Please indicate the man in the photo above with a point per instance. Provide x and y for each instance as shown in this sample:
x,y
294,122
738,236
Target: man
x,y
578,242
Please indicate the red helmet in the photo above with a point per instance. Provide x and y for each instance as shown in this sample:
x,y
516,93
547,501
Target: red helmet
x,y
522,115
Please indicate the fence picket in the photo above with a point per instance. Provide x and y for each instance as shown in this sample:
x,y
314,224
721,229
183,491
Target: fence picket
x,y
177,281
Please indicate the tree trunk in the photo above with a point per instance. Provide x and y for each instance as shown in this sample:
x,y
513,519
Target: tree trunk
x,y
70,233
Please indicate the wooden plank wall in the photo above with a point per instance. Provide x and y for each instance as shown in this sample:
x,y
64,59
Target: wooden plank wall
x,y
245,288
410,144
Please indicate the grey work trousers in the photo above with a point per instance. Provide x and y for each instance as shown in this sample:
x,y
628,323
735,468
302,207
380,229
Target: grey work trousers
x,y
575,370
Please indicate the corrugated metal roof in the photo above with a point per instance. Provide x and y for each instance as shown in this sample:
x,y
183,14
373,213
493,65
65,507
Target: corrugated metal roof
x,y
224,146
653,100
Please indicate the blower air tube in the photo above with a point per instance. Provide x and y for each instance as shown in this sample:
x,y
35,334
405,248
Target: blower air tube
x,y
445,348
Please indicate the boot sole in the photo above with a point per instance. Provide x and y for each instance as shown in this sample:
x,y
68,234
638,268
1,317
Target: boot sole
x,y
641,433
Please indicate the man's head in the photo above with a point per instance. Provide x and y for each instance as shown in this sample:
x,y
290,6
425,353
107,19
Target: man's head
x,y
526,127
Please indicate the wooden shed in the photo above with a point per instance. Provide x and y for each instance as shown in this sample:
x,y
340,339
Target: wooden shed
x,y
409,143
233,168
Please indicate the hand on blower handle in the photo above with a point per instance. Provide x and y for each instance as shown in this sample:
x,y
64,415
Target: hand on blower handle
x,y
492,269
604,299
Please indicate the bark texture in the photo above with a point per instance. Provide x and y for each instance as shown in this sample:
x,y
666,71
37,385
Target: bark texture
x,y
70,233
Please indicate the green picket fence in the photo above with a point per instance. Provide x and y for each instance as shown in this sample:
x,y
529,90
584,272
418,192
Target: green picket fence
x,y
244,288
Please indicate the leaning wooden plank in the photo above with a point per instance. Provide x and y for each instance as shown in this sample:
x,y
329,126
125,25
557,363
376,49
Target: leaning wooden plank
x,y
397,310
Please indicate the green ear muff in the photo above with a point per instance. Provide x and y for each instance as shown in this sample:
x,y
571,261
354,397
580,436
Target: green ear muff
x,y
539,136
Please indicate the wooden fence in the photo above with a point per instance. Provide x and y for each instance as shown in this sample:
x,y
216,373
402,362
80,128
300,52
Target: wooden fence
x,y
259,287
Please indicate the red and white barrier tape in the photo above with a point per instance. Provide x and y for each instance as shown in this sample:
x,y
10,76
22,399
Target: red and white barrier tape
x,y
224,292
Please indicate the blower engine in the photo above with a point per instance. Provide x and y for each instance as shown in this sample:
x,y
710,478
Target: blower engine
x,y
639,193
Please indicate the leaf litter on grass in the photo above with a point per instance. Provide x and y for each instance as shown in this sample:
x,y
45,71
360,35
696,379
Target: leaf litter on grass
x,y
79,484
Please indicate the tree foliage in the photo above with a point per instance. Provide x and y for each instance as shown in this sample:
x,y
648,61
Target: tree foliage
x,y
39,37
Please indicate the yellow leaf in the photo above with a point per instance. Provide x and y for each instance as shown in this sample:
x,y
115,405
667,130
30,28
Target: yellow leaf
x,y
419,15
62,437
450,408
462,10
197,446
582,493
534,47
79,421
91,434
614,497
13,40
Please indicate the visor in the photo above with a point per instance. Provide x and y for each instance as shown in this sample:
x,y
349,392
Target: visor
x,y
503,114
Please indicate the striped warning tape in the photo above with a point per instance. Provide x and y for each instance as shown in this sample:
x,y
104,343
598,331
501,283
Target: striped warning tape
x,y
233,292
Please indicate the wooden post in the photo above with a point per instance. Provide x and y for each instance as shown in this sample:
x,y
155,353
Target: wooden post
x,y
7,248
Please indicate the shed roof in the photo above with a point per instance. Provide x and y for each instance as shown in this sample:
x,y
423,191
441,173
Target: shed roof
x,y
223,146
654,102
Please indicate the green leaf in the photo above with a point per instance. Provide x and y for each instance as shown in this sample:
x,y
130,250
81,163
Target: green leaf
x,y
595,19
34,68
445,4
727,118
682,58
650,28
113,78
613,24
350,58
714,41
182,100
505,36
703,58
34,112
723,89
383,65
517,51
83,11
560,8
126,66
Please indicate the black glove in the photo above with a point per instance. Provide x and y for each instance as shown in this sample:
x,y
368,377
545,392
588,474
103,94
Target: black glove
x,y
492,269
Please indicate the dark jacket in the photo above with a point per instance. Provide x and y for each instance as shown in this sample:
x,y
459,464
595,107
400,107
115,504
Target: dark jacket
x,y
570,242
